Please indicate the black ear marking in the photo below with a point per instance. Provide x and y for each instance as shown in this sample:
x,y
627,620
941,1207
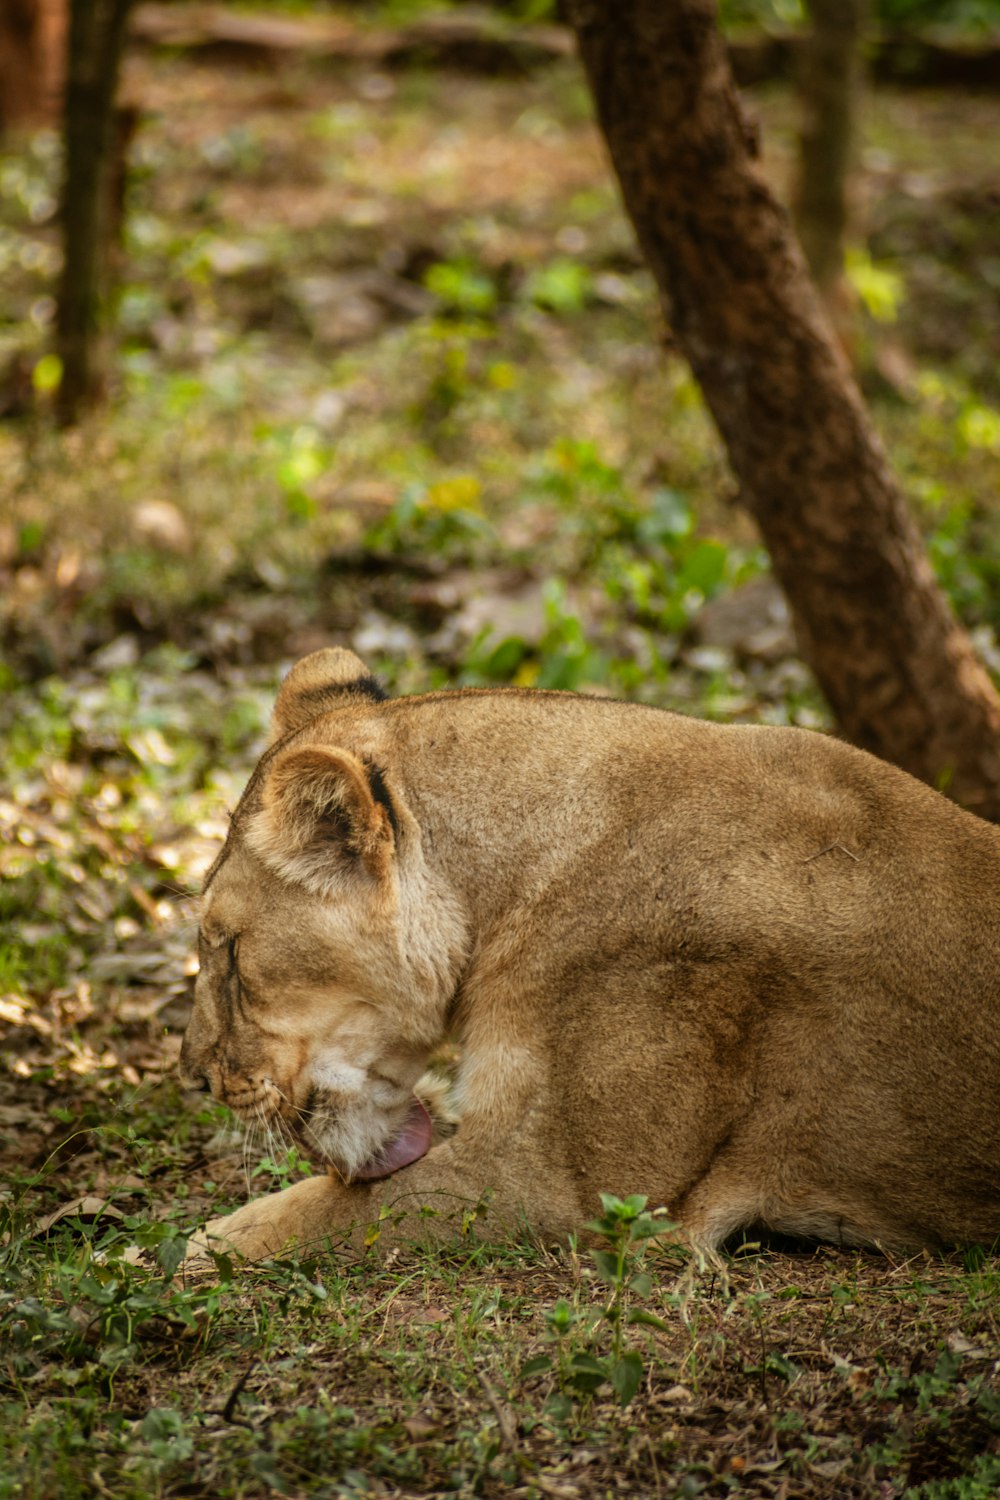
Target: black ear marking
x,y
319,684
312,701
380,793
366,687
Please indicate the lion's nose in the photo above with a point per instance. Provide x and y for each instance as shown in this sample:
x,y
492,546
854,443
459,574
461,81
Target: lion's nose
x,y
193,1074
192,1079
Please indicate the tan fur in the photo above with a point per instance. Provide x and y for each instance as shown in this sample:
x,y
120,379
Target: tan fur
x,y
750,972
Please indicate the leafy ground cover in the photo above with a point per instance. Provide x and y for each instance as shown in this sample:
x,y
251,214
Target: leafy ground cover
x,y
392,375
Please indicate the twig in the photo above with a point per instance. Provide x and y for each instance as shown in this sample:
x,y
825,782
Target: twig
x,y
234,1396
505,1422
829,850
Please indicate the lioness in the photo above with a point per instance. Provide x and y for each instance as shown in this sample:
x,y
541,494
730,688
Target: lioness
x,y
750,972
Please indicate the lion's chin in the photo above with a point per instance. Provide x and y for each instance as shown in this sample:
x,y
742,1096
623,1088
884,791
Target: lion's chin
x,y
412,1142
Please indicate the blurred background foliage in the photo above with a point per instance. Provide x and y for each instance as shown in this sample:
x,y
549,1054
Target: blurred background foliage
x,y
364,314
964,15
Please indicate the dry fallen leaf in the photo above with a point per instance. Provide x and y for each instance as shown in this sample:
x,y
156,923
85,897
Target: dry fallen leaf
x,y
88,1207
418,1429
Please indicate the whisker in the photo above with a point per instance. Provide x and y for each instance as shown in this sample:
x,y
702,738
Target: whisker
x,y
276,1131
250,1132
273,1134
284,1136
273,1147
178,892
245,1158
296,1109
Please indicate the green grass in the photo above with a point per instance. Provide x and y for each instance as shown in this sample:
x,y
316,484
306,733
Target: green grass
x,y
436,1375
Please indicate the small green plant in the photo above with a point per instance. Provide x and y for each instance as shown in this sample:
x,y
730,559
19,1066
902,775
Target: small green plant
x,y
591,1344
926,1388
661,572
86,1304
462,287
284,1170
13,966
879,289
644,550
564,658
303,458
563,286
447,365
442,517
166,1435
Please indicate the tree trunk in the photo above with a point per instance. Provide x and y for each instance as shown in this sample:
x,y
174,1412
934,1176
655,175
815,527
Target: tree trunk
x,y
828,82
96,42
898,670
32,45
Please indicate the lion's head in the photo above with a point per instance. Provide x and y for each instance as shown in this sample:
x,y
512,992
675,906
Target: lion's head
x,y
328,954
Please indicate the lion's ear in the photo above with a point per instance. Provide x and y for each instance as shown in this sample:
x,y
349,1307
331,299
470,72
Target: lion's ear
x,y
323,810
317,684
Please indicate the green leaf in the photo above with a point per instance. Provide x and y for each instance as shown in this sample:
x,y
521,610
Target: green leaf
x,y
161,1423
633,1205
116,1355
29,537
778,1364
300,506
879,288
669,519
559,1407
539,1364
587,1373
170,1253
564,286
267,1470
47,375
704,568
639,1315
641,1284
625,1377
645,1227
184,1314
504,660
223,1266
460,285
561,1316
607,1266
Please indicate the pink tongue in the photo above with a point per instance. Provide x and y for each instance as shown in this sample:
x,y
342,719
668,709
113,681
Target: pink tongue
x,y
412,1142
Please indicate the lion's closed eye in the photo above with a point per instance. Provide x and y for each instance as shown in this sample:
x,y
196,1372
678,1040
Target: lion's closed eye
x,y
243,993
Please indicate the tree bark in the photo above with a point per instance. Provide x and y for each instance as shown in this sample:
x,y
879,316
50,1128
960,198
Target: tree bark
x,y
829,75
96,42
32,43
898,670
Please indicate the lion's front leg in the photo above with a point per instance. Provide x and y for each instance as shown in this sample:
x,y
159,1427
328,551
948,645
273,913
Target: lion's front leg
x,y
454,1190
302,1216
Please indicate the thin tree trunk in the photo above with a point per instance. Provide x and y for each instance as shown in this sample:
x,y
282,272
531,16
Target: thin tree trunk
x,y
32,44
96,42
829,76
898,670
